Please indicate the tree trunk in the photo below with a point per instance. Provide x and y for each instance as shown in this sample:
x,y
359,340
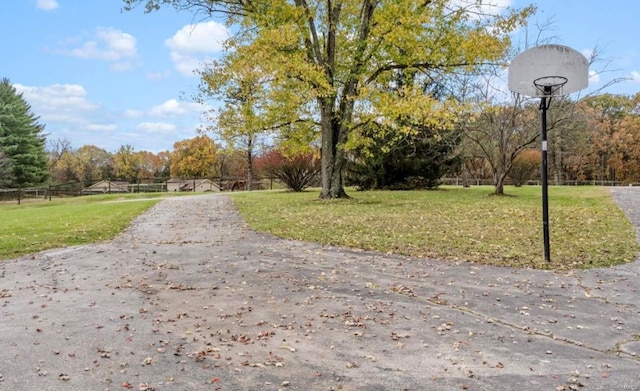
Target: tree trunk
x,y
465,175
499,183
334,121
333,158
249,163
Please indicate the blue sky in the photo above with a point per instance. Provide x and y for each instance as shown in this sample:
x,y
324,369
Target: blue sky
x,y
99,76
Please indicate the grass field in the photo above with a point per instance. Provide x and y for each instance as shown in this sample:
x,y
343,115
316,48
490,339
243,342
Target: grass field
x,y
587,229
40,225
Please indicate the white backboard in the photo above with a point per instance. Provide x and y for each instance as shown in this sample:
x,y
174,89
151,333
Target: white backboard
x,y
563,69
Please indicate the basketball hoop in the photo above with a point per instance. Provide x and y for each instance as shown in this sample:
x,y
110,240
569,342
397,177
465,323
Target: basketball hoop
x,y
550,85
531,73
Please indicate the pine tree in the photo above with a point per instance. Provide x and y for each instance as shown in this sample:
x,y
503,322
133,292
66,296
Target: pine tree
x,y
6,170
22,140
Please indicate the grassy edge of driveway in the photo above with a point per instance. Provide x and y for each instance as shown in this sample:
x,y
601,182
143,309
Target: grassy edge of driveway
x,y
587,228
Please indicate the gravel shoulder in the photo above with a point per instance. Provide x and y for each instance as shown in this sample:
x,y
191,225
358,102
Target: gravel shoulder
x,y
189,298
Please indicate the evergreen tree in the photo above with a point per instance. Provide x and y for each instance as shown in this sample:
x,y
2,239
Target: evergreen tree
x,y
6,170
414,162
22,140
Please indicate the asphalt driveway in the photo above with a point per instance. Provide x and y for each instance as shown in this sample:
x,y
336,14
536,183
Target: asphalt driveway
x,y
189,298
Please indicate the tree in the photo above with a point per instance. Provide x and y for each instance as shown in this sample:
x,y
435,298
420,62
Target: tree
x,y
153,165
57,150
193,158
416,161
242,122
163,165
64,167
606,123
6,171
127,164
568,142
230,165
93,164
87,164
22,139
335,55
499,133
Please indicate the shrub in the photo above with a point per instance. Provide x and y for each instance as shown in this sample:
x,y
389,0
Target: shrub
x,y
410,164
297,172
525,166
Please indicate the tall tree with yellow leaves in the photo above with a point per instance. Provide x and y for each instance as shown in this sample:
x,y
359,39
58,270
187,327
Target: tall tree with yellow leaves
x,y
335,55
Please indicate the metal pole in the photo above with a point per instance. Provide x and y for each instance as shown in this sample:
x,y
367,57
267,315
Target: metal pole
x,y
544,105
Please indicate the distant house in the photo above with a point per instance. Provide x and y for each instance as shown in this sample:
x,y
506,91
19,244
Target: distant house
x,y
106,187
195,185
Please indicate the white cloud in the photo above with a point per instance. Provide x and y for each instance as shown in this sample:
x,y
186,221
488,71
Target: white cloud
x,y
133,113
193,42
635,76
47,5
172,107
108,44
594,77
186,64
198,38
58,102
156,127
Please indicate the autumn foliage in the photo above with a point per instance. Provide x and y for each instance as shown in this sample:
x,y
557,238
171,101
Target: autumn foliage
x,y
193,158
297,172
525,166
594,140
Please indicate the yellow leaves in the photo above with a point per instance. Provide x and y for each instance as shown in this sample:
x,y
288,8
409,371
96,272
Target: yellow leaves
x,y
411,101
193,157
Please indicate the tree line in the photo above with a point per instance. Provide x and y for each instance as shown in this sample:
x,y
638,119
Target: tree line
x,y
375,94
594,139
591,140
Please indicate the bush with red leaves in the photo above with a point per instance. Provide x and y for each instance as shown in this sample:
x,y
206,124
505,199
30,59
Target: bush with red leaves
x,y
297,172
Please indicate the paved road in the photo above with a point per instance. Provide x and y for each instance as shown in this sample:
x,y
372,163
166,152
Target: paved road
x,y
188,298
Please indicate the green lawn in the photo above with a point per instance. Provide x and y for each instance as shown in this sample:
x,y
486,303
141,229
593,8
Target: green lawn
x,y
587,228
40,225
